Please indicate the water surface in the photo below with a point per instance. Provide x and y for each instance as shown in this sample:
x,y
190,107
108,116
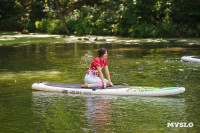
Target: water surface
x,y
151,64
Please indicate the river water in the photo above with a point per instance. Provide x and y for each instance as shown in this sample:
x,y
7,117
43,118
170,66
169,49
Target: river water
x,y
152,64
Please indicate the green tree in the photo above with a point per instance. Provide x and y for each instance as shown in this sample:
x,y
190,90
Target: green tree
x,y
186,15
36,13
12,15
134,18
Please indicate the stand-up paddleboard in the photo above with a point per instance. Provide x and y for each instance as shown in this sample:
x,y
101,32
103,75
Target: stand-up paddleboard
x,y
191,58
115,90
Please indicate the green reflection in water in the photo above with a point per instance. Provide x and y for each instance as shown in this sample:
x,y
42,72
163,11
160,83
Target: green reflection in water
x,y
59,113
24,110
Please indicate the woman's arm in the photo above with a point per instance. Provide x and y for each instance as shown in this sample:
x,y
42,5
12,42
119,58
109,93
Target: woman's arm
x,y
108,76
101,76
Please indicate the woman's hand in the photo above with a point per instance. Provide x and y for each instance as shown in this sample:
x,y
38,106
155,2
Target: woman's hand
x,y
110,84
104,85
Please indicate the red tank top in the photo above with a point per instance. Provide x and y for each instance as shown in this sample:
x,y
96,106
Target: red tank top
x,y
96,62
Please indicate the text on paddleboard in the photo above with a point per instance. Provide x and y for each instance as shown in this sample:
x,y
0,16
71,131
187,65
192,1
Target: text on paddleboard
x,y
75,92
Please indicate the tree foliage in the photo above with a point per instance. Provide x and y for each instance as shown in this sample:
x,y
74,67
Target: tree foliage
x,y
132,18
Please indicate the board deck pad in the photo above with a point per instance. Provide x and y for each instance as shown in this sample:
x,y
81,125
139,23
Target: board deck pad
x,y
196,57
77,86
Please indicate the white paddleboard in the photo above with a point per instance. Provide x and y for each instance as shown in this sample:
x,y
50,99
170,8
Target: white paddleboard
x,y
115,90
191,58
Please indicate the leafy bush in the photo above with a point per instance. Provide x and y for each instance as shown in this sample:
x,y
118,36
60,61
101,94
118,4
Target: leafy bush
x,y
143,30
166,29
50,26
30,27
55,27
130,18
43,25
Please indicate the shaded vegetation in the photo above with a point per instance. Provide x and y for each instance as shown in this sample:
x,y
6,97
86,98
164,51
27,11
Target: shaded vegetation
x,y
130,18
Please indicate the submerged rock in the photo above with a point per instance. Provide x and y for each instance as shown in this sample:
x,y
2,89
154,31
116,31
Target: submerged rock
x,y
100,39
25,31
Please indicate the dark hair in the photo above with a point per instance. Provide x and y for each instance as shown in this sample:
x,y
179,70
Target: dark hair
x,y
102,51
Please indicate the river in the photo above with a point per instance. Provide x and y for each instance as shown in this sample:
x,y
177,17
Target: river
x,y
145,64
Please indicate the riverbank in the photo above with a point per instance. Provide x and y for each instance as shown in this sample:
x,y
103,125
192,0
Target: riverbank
x,y
9,38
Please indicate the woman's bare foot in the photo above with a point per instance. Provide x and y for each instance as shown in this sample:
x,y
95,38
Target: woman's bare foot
x,y
84,86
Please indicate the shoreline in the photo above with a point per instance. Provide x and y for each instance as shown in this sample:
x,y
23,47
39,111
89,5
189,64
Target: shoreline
x,y
9,38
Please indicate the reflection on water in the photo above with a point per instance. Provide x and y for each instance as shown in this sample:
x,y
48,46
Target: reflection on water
x,y
106,113
25,110
99,112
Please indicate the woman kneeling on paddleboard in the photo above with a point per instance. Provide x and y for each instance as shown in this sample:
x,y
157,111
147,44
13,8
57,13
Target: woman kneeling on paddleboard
x,y
91,79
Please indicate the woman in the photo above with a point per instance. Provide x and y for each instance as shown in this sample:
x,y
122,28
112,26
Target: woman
x,y
91,79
